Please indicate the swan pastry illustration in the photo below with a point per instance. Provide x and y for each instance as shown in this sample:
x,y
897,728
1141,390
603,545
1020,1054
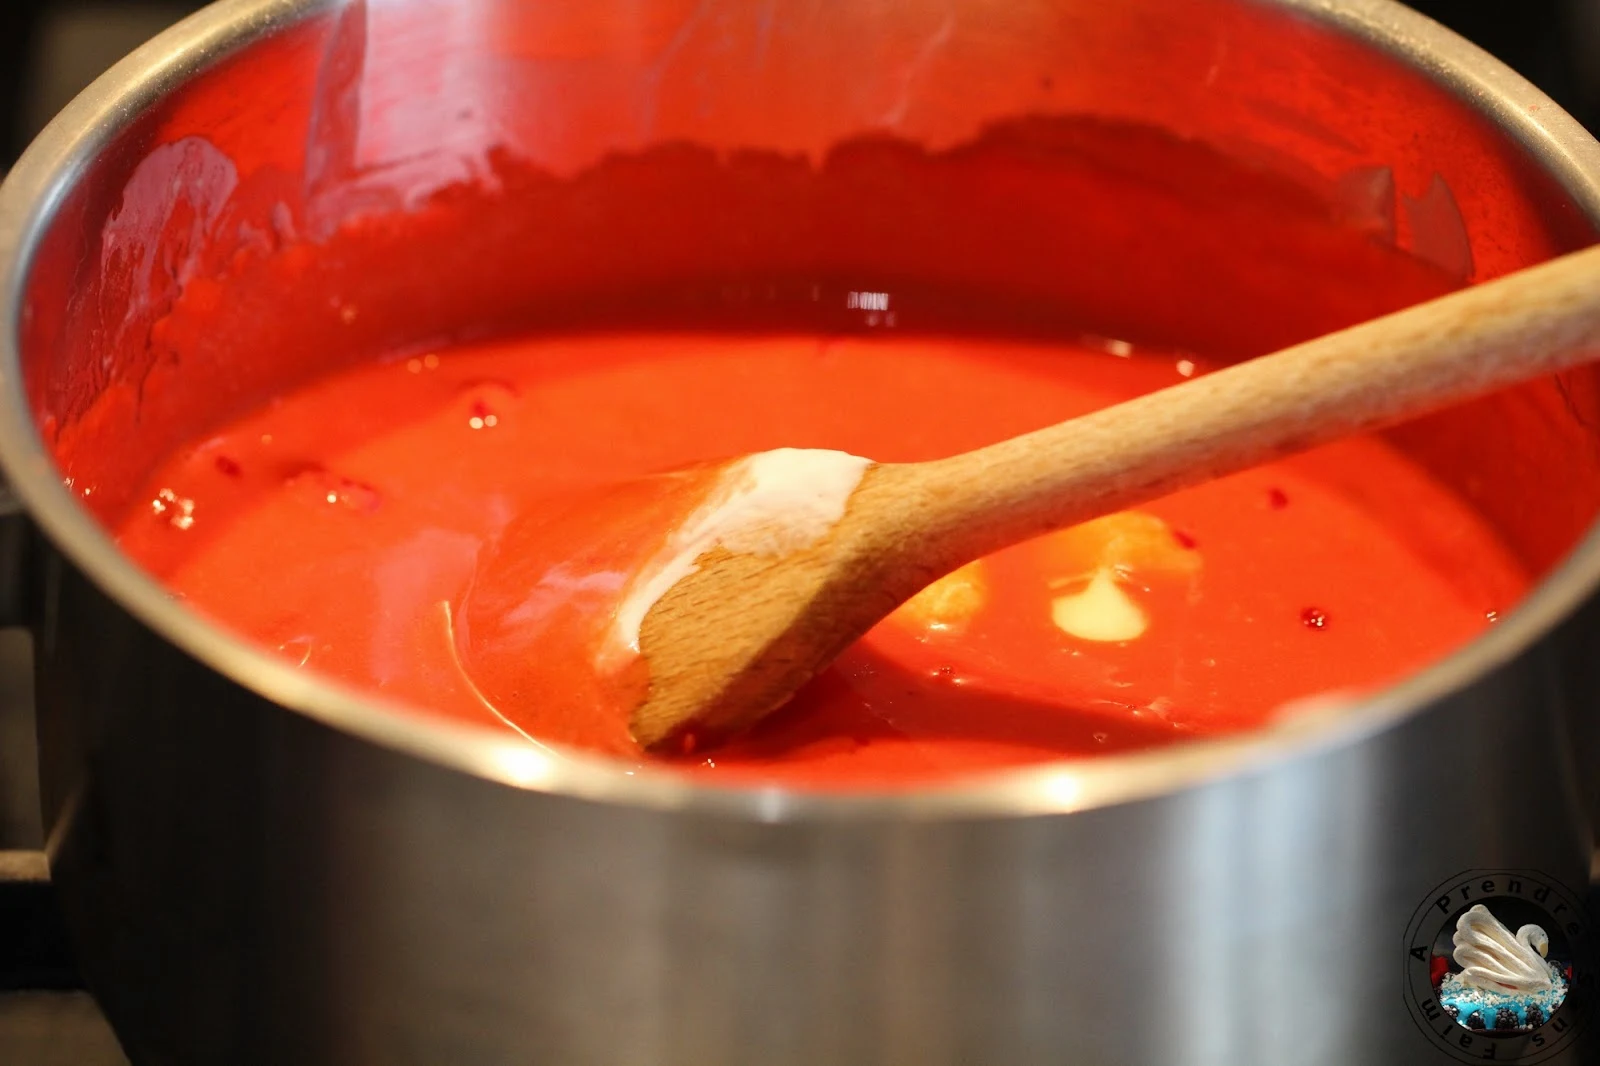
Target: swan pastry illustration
x,y
1492,958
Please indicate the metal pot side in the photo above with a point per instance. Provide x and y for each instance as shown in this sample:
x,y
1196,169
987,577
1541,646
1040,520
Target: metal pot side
x,y
263,868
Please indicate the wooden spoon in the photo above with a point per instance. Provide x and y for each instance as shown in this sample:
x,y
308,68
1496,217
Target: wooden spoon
x,y
738,631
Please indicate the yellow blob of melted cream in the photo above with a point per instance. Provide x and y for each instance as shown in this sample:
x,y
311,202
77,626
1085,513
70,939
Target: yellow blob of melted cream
x,y
1108,552
1102,612
1098,556
949,602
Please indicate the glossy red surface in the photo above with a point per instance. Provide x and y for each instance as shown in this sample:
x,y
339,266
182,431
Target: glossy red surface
x,y
345,525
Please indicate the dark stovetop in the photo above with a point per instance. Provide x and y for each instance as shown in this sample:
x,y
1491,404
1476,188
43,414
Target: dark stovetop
x,y
49,49
55,1029
46,1019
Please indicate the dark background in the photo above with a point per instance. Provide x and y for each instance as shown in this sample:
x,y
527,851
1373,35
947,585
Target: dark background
x,y
51,49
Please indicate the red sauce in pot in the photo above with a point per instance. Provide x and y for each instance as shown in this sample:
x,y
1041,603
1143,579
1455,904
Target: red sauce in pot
x,y
678,304
341,525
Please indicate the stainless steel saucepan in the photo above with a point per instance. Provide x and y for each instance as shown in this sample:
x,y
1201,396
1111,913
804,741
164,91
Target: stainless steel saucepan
x,y
261,867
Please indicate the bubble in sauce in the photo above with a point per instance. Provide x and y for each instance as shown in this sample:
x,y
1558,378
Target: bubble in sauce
x,y
1314,618
486,401
481,417
321,485
297,649
177,511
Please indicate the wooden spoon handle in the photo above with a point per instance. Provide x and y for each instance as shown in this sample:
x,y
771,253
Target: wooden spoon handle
x,y
1471,342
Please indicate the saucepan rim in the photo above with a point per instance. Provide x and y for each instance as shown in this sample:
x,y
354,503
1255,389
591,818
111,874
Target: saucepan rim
x,y
35,188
